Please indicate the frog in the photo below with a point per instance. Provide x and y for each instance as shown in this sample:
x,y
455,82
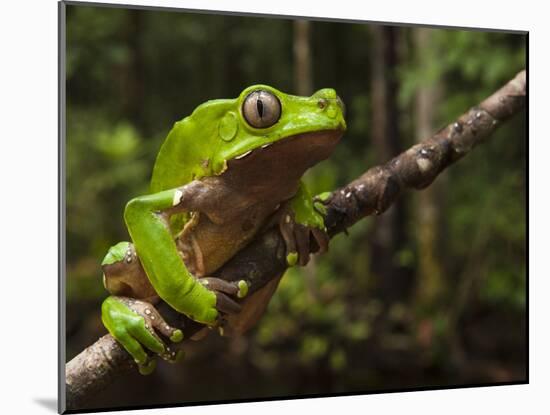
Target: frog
x,y
230,170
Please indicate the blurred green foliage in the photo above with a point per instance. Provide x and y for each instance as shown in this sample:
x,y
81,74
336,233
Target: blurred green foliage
x,y
131,74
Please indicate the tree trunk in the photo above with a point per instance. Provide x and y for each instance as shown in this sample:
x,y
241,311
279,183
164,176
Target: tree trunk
x,y
303,85
388,236
429,269
302,58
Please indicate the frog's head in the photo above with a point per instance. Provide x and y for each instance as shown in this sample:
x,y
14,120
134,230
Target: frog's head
x,y
263,124
263,131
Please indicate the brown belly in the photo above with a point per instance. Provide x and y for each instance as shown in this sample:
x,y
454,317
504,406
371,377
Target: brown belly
x,y
205,246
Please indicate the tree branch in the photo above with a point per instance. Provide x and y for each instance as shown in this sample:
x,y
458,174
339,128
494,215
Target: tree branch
x,y
372,193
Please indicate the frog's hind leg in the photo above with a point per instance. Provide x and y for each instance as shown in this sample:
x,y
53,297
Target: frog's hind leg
x,y
134,324
123,274
129,314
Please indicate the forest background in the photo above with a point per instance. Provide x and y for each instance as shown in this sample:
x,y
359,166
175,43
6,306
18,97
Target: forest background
x,y
431,293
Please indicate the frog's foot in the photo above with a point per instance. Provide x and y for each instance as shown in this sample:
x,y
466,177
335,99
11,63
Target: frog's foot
x,y
301,239
134,324
223,290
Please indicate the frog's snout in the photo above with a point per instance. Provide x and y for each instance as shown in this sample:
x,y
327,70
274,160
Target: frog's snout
x,y
326,93
328,100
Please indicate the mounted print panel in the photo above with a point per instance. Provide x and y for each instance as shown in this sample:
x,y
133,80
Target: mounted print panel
x,y
263,207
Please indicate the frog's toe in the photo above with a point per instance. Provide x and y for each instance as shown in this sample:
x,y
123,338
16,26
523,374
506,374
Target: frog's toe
x,y
177,334
132,346
154,321
320,203
134,337
321,238
173,355
148,367
147,337
180,355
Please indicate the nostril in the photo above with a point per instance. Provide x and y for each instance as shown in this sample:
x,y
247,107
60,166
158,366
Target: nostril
x,y
322,103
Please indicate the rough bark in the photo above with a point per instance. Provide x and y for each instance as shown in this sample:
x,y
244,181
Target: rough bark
x,y
372,193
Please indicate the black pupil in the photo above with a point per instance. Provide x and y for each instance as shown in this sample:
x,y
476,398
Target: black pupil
x,y
260,106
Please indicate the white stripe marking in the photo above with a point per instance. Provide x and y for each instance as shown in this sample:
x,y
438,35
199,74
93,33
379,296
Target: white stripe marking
x,y
177,197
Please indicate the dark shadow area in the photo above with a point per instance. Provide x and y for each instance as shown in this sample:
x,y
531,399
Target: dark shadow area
x,y
47,403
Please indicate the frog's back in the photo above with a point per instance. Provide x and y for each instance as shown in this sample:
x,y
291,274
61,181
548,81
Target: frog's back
x,y
184,156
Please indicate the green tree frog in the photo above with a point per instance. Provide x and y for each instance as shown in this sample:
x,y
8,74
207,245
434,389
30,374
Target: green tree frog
x,y
229,170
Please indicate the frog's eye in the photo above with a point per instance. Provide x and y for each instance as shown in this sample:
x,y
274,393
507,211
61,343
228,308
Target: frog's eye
x,y
261,109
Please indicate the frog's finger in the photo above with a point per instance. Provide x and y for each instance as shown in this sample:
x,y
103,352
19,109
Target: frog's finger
x,y
173,355
133,347
175,335
322,240
180,354
301,234
319,206
147,338
226,304
217,284
286,226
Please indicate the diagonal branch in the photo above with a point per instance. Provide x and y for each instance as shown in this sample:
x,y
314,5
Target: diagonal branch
x,y
372,193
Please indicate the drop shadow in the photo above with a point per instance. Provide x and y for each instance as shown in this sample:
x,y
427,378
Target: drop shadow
x,y
48,403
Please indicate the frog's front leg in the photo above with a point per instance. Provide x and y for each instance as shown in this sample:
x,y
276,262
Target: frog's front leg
x,y
301,223
147,221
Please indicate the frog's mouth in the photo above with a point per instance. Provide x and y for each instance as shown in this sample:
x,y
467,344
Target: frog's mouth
x,y
290,157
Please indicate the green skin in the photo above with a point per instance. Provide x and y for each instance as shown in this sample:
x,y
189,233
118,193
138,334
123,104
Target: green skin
x,y
201,146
